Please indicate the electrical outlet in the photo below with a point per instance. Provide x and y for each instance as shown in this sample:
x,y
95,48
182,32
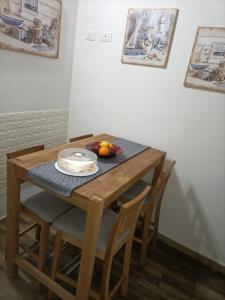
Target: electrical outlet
x,y
107,37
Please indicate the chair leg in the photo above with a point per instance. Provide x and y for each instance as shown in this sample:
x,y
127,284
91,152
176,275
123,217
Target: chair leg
x,y
44,235
38,232
145,239
126,265
154,241
107,266
156,225
56,258
144,248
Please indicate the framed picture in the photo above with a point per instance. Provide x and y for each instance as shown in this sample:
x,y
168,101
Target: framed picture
x,y
148,36
206,69
31,26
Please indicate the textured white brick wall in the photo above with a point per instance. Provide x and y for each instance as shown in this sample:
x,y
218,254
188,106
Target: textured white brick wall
x,y
25,129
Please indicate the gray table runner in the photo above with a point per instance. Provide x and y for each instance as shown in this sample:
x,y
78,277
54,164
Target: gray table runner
x,y
47,176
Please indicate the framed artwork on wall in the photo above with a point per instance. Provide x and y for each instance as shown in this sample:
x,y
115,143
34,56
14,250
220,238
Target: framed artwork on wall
x,y
148,36
31,26
206,69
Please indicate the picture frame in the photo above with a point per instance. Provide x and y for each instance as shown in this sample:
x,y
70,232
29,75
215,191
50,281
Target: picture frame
x,y
206,67
31,26
149,35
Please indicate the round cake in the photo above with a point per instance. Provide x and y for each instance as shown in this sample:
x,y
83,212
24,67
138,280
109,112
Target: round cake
x,y
77,160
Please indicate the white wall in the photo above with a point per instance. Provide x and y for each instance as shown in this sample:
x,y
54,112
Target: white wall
x,y
35,83
151,106
30,82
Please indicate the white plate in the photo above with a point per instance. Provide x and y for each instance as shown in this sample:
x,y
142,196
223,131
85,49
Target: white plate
x,y
81,174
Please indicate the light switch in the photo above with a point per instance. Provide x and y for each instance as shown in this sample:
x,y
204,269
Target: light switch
x,y
91,35
107,36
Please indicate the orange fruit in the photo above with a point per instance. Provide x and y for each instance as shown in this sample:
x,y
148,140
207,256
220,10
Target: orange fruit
x,y
103,151
110,145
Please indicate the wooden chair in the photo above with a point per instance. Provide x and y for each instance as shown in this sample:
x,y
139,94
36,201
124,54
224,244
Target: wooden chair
x,y
77,138
116,231
149,217
42,208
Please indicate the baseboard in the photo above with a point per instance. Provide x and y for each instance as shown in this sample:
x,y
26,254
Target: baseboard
x,y
215,266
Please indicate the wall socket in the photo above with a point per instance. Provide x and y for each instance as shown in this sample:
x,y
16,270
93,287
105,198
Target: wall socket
x,y
107,36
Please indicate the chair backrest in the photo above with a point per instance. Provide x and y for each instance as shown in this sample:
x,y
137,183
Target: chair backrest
x,y
159,187
154,200
127,219
77,138
24,151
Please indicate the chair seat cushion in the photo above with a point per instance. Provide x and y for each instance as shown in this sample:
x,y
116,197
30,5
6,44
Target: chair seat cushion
x,y
46,206
135,190
73,223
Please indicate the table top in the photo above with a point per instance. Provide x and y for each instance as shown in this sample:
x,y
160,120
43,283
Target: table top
x,y
106,187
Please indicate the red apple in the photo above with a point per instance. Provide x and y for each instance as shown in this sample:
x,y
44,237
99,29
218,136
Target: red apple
x,y
113,150
95,148
119,151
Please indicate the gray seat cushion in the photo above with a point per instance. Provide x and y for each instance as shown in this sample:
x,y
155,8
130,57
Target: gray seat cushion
x,y
46,206
135,190
73,223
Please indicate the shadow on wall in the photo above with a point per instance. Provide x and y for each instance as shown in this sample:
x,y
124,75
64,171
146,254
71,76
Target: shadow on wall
x,y
187,214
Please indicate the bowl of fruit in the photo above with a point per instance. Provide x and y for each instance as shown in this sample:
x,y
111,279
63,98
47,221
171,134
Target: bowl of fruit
x,y
104,149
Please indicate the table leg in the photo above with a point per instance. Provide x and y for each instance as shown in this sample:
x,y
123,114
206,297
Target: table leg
x,y
13,210
92,229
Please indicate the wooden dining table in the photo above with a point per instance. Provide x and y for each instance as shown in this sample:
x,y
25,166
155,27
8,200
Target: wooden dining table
x,y
93,197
